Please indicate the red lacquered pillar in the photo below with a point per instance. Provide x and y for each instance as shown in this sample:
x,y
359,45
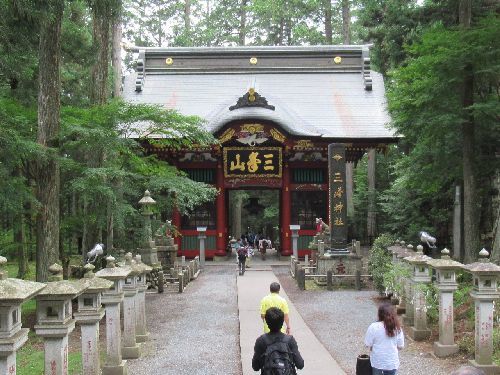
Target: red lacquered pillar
x,y
286,205
221,213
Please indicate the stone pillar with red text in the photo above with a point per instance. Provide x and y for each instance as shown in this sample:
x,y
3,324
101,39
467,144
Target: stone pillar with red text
x,y
286,203
221,224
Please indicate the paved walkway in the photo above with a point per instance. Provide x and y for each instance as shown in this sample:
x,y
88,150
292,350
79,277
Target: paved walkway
x,y
251,288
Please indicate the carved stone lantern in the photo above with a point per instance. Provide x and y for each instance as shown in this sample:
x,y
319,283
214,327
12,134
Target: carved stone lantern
x,y
130,349
148,250
446,283
90,312
485,291
55,318
114,364
13,292
420,277
141,332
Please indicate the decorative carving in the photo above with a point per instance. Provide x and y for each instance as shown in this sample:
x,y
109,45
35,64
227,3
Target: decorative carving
x,y
303,144
252,140
252,99
337,59
169,61
252,128
308,156
253,60
197,157
227,135
277,135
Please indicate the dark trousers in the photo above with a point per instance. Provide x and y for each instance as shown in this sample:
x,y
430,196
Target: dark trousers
x,y
241,264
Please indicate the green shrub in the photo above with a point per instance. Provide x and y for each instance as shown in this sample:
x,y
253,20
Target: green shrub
x,y
380,262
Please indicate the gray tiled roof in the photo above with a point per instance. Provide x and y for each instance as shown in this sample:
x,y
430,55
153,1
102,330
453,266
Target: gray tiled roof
x,y
315,102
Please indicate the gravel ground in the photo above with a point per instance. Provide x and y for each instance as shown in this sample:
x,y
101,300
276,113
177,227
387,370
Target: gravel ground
x,y
339,320
196,332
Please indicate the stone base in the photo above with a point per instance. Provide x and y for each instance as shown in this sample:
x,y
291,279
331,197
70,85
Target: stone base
x,y
488,369
142,338
131,352
407,321
121,369
441,350
221,258
419,334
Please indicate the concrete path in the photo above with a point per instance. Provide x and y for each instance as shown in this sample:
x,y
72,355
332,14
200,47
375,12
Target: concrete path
x,y
251,288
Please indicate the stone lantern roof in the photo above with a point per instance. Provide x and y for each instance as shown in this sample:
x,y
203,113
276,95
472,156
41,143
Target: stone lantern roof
x,y
59,287
146,199
445,263
483,265
111,272
144,268
95,284
419,258
16,291
135,269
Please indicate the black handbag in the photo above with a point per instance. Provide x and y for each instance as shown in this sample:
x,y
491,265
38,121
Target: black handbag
x,y
363,365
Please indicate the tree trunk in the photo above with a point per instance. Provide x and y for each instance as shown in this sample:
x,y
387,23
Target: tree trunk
x,y
117,57
372,214
85,230
243,22
20,241
328,22
47,170
471,217
100,35
187,19
346,22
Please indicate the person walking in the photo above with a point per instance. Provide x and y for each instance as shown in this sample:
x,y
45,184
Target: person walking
x,y
275,350
385,338
242,257
273,299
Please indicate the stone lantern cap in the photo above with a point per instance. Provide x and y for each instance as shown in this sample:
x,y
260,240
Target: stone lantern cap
x,y
146,200
111,272
16,291
143,267
483,265
417,259
95,284
130,263
57,287
445,263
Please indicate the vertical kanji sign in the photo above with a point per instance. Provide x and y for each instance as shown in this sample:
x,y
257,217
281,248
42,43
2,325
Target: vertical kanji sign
x,y
337,195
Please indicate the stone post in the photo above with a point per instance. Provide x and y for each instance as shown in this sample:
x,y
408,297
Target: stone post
x,y
114,364
446,284
421,277
321,248
485,291
301,278
54,319
12,336
201,237
131,349
141,332
90,312
295,236
329,280
181,281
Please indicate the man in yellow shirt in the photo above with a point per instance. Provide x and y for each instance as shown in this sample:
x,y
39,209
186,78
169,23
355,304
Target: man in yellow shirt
x,y
273,299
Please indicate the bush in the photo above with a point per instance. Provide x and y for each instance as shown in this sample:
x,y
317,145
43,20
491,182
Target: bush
x,y
380,262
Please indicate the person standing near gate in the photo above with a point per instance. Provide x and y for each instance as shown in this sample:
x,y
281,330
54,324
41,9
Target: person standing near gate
x,y
273,299
242,258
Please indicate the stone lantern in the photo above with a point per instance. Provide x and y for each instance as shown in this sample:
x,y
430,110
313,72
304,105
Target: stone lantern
x,y
446,283
55,318
130,349
13,292
114,364
141,332
420,277
90,312
148,251
485,291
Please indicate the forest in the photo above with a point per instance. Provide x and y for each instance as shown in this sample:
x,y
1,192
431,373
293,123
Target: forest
x,y
71,177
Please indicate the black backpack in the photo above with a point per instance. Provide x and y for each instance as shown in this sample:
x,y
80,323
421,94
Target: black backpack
x,y
278,358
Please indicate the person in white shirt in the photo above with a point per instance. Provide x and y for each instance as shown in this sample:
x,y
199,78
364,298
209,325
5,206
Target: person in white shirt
x,y
384,338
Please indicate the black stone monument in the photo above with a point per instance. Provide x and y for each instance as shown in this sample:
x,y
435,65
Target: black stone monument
x,y
337,197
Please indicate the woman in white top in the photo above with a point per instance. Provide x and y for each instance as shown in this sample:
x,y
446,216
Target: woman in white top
x,y
385,338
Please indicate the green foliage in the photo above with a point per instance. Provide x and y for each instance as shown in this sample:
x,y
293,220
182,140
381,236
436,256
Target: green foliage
x,y
380,262
394,278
